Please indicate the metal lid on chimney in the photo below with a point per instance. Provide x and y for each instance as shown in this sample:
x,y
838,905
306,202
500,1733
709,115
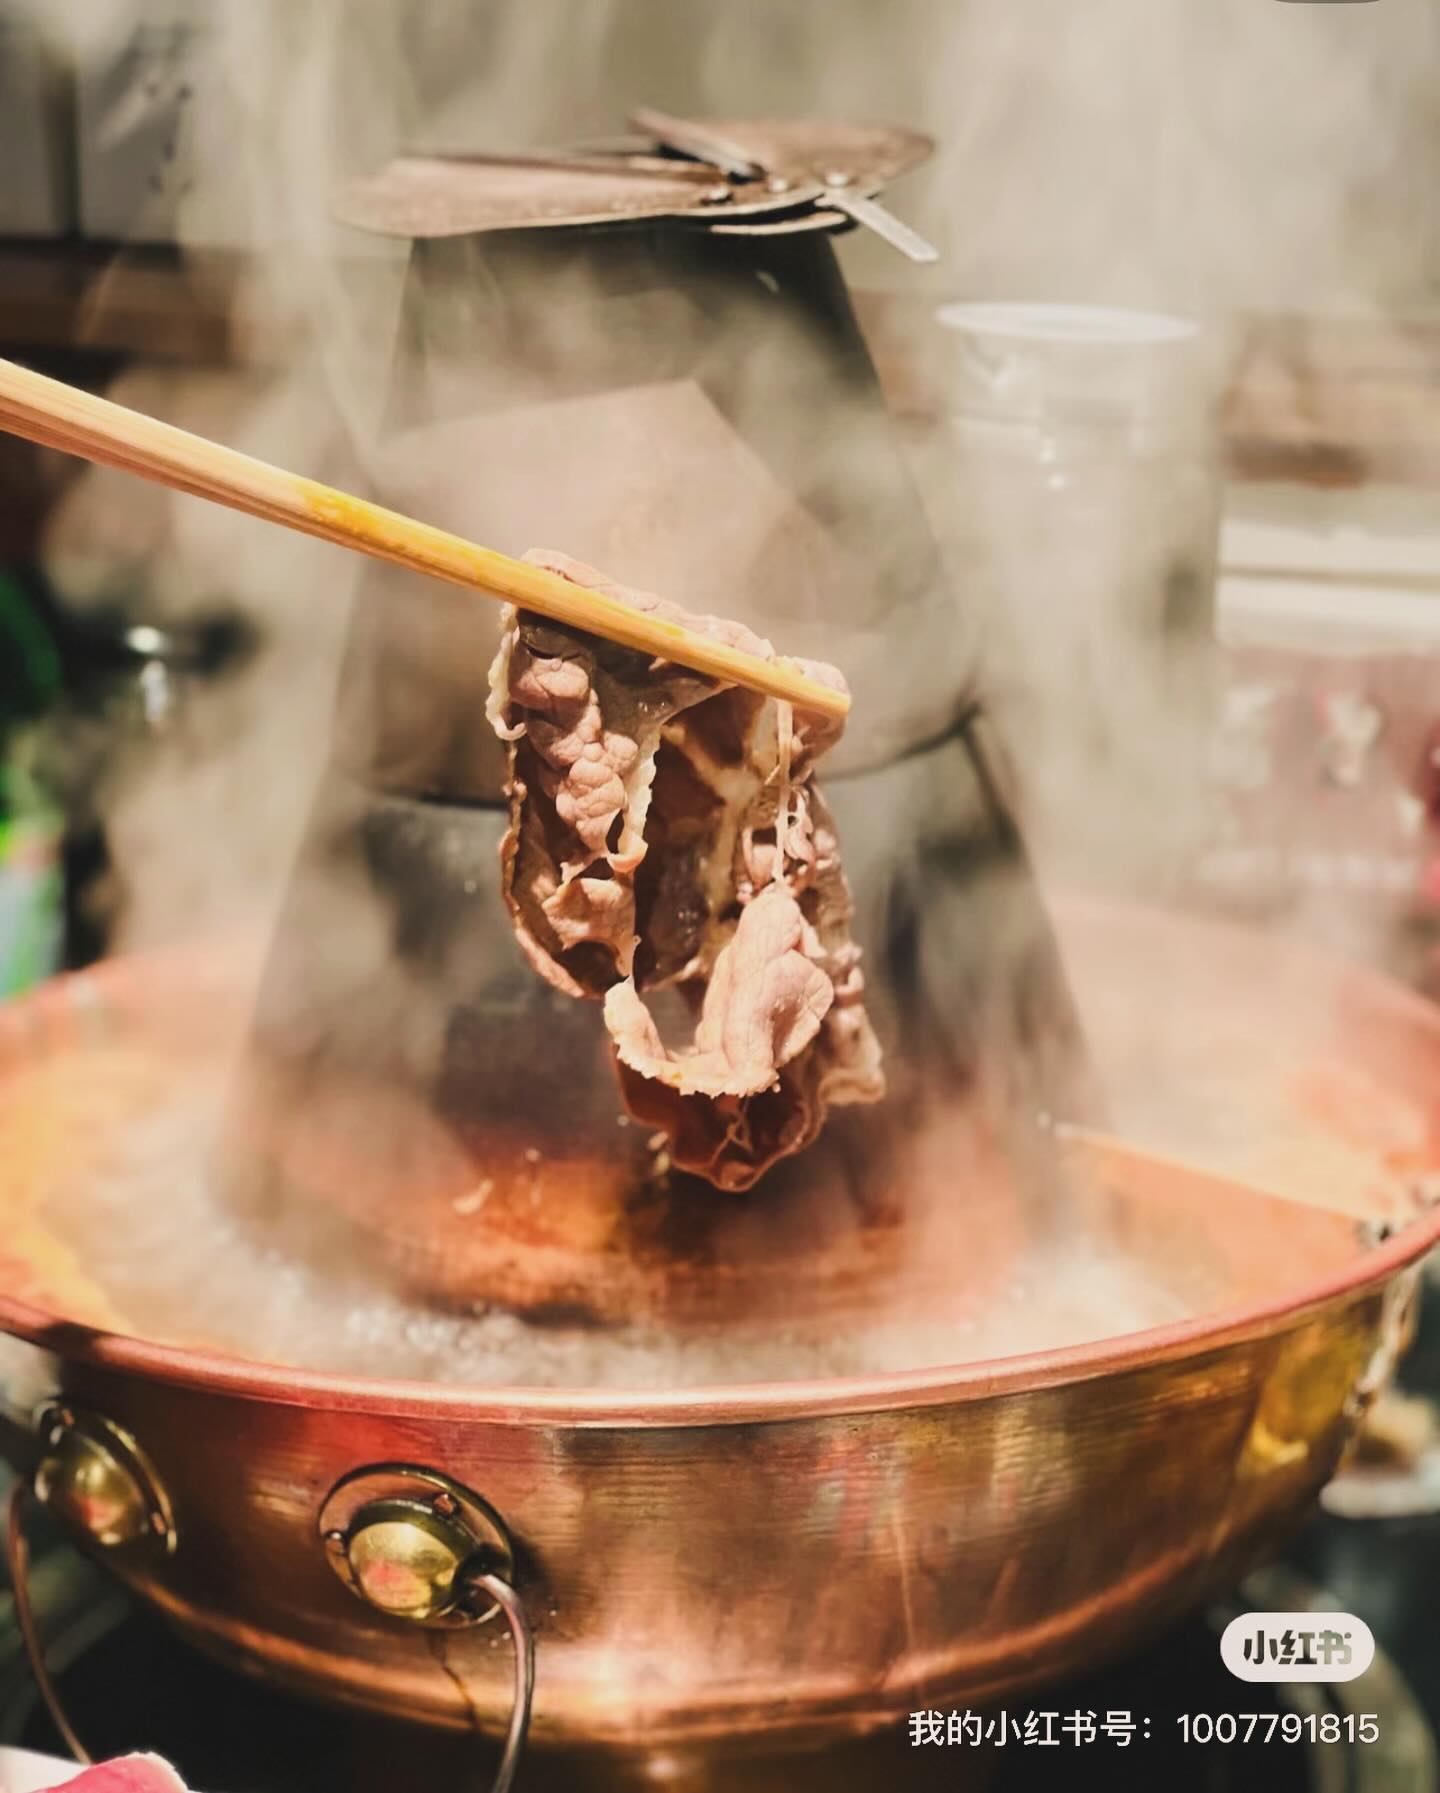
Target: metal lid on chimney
x,y
731,176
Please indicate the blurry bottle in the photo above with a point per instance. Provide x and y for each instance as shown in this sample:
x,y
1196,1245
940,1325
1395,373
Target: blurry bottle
x,y
84,699
31,826
1327,764
128,688
1082,515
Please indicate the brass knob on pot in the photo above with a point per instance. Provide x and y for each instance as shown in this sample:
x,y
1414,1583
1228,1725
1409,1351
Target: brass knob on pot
x,y
405,1558
407,1540
95,1478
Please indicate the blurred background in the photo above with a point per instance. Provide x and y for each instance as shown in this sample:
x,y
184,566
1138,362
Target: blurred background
x,y
1169,390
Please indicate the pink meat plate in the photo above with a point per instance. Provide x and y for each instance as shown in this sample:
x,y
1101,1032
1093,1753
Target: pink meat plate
x,y
127,1774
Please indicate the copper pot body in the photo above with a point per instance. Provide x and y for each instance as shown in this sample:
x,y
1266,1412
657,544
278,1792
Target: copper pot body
x,y
696,1578
805,1560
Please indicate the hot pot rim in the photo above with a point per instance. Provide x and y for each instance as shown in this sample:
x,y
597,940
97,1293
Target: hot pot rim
x,y
722,1404
749,1403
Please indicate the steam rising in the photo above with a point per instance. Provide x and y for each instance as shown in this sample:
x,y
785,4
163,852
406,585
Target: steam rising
x,y
1198,156
1206,158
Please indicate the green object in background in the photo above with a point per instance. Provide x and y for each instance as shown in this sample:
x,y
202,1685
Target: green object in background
x,y
31,886
31,830
31,673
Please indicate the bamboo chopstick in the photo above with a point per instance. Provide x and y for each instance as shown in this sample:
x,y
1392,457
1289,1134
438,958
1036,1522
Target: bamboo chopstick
x,y
63,417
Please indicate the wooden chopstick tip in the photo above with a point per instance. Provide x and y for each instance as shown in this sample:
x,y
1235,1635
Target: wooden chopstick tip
x,y
810,693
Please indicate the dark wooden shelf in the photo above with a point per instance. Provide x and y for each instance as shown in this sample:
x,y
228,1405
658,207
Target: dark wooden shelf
x,y
1336,400
96,299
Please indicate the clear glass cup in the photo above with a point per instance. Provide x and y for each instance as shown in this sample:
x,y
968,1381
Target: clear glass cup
x,y
1081,514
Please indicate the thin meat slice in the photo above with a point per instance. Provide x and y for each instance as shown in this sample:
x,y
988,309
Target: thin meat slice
x,y
666,834
127,1774
765,1003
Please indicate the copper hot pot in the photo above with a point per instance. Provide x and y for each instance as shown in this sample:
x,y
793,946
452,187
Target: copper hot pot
x,y
791,1558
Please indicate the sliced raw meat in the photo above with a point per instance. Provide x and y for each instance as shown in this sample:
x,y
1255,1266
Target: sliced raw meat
x,y
666,833
126,1774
